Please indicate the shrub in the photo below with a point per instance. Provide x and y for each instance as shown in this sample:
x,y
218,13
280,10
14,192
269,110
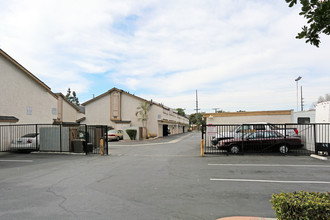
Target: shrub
x,y
301,205
131,133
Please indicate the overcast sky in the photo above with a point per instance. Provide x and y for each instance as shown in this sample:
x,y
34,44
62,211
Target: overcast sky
x,y
239,55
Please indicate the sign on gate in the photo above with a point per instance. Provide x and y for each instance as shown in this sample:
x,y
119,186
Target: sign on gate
x,y
211,130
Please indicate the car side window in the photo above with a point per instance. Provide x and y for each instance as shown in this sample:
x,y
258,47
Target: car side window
x,y
260,135
274,134
256,135
268,134
244,129
259,127
271,134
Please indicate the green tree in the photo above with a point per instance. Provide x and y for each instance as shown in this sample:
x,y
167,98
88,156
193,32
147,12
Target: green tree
x,y
72,98
68,95
181,112
317,13
142,114
197,119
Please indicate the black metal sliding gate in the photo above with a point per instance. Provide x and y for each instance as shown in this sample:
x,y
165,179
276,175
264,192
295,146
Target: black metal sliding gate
x,y
286,139
76,138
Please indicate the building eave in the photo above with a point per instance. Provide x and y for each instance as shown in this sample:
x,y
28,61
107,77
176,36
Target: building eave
x,y
70,103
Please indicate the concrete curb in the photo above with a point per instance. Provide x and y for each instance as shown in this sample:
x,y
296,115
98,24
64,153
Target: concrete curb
x,y
59,153
318,157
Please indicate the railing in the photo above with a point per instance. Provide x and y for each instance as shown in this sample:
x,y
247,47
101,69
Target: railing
x,y
294,139
54,138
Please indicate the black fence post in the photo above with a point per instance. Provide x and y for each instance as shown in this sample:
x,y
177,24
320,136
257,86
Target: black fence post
x,y
86,140
37,137
315,147
242,137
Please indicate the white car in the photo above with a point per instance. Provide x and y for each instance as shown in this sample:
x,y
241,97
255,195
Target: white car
x,y
115,135
27,142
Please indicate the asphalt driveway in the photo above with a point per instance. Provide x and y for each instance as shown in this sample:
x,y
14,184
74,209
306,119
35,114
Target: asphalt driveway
x,y
164,179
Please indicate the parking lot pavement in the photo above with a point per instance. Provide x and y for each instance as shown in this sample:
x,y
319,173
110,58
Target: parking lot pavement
x,y
161,181
151,141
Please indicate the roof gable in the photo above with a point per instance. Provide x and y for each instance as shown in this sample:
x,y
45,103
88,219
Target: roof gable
x,y
28,73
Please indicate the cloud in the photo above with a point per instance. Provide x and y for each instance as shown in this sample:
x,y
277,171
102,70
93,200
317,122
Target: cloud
x,y
238,54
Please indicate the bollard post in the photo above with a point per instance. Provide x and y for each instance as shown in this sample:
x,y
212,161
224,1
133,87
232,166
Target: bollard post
x,y
202,147
101,146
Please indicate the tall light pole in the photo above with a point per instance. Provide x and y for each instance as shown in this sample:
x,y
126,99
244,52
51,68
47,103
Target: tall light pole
x,y
299,78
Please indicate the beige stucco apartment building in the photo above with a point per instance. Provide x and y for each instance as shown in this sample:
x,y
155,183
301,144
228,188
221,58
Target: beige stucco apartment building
x,y
25,99
67,111
118,108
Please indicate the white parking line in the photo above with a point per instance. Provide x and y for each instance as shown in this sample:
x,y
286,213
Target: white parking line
x,y
270,165
20,161
270,181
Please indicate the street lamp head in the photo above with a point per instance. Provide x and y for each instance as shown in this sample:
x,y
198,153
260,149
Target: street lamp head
x,y
299,78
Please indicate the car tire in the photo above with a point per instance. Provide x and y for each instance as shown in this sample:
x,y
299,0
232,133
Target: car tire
x,y
283,149
118,138
234,149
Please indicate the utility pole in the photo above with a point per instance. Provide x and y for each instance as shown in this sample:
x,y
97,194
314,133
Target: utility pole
x,y
299,78
302,100
196,103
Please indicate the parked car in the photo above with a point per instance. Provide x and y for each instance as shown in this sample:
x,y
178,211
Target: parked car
x,y
252,127
115,135
261,141
27,142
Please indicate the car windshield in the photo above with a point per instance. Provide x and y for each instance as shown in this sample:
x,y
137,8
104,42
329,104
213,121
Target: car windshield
x,y
30,135
273,127
112,132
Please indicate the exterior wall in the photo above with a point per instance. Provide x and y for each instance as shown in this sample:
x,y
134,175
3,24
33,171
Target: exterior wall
x,y
129,108
249,117
322,111
69,113
305,114
153,124
174,121
98,112
23,97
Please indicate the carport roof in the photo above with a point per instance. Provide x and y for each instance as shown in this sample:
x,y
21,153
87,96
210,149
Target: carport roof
x,y
8,119
252,113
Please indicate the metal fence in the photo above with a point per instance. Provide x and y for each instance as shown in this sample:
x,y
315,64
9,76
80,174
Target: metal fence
x,y
288,139
54,138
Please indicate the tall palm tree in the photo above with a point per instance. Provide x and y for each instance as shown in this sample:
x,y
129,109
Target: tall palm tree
x,y
142,114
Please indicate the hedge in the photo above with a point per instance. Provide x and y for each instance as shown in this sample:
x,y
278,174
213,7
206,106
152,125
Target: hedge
x,y
301,205
131,133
